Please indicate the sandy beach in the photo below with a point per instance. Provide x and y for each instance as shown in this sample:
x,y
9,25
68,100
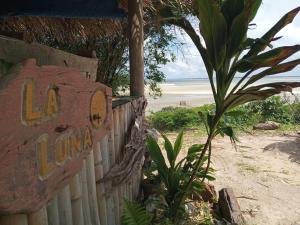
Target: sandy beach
x,y
196,92
263,171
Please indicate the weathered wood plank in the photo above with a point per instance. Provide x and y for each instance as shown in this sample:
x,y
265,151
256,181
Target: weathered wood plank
x,y
229,207
44,135
16,51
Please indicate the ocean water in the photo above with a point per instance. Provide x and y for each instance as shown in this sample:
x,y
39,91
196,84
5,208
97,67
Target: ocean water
x,y
195,92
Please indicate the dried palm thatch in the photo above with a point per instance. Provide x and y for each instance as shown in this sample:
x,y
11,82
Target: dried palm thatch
x,y
65,31
62,30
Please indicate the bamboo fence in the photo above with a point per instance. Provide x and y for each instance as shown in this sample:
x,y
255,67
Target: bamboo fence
x,y
111,173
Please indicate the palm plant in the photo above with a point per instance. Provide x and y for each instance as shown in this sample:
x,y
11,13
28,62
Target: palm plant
x,y
228,52
174,176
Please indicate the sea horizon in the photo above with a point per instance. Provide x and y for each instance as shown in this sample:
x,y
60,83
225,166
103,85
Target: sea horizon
x,y
192,92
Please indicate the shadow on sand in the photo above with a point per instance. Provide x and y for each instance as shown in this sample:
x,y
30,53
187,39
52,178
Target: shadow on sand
x,y
290,147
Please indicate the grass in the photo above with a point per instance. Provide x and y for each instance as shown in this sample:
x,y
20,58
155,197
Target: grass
x,y
246,167
242,118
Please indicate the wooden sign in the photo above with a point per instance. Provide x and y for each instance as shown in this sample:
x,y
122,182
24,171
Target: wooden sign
x,y
50,119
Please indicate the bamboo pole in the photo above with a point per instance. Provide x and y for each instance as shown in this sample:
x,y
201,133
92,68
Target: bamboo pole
x,y
112,154
100,186
64,206
17,219
76,201
85,196
109,198
52,211
116,119
39,217
91,184
123,121
117,145
126,129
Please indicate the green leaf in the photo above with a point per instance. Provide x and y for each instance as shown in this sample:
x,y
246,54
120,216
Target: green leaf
x,y
280,86
231,9
195,148
178,144
134,214
268,37
169,150
260,92
238,34
157,157
209,177
251,8
198,187
213,28
281,68
267,59
229,131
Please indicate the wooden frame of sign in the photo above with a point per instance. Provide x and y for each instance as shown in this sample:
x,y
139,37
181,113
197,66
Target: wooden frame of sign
x,y
51,117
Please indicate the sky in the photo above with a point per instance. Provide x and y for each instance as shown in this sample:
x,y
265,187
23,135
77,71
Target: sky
x,y
190,65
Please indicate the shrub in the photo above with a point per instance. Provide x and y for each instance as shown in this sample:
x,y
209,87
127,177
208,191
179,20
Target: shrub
x,y
174,119
296,113
242,117
273,108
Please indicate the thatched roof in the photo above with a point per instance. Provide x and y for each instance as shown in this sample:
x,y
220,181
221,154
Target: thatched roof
x,y
64,30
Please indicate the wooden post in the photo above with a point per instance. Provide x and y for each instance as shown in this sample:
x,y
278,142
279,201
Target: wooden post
x,y
136,47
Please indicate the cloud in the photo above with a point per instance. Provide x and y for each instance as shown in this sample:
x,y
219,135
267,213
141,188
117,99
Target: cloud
x,y
191,65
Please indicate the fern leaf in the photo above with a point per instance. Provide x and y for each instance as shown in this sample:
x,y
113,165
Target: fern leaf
x,y
134,214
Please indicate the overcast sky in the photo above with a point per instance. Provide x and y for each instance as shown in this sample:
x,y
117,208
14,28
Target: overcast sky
x,y
191,65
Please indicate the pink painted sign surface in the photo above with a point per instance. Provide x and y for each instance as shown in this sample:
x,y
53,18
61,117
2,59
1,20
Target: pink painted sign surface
x,y
51,118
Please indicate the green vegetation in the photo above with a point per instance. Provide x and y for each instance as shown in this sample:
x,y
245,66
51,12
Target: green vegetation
x,y
175,175
229,54
169,179
243,117
113,54
134,214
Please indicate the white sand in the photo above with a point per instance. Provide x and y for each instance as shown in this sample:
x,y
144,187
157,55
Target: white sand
x,y
264,172
190,92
